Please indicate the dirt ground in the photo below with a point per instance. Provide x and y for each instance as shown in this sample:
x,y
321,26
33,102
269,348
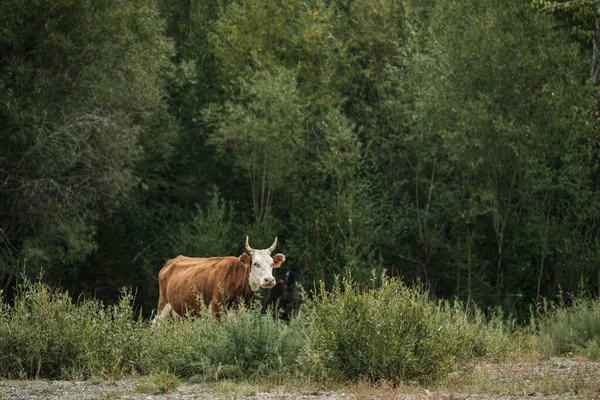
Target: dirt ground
x,y
555,378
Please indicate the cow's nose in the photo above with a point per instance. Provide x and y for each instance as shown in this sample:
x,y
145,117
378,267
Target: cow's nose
x,y
269,282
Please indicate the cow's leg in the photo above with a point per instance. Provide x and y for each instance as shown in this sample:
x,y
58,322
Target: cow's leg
x,y
176,316
164,313
214,309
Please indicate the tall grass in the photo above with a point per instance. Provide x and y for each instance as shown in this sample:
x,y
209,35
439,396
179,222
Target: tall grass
x,y
390,332
244,345
570,330
46,334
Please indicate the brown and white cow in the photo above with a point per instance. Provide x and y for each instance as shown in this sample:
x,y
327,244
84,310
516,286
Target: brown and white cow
x,y
187,284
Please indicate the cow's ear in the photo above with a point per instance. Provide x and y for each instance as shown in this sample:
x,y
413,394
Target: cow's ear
x,y
278,259
246,258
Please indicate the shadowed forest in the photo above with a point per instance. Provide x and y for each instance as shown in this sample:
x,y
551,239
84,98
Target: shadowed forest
x,y
452,143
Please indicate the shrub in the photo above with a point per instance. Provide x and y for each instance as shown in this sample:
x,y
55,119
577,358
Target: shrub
x,y
244,345
392,333
163,382
476,334
45,334
571,330
389,333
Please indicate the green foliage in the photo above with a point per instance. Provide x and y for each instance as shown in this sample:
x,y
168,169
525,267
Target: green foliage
x,y
262,130
209,233
336,215
572,329
46,335
580,15
451,142
79,87
498,133
245,345
392,333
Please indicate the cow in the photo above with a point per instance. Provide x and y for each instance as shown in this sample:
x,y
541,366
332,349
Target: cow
x,y
186,284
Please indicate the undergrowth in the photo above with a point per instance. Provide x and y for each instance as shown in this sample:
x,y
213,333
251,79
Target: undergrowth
x,y
393,332
46,334
387,333
570,330
244,345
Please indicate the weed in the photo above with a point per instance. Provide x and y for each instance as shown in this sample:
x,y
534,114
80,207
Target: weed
x,y
571,330
96,380
166,382
163,382
113,394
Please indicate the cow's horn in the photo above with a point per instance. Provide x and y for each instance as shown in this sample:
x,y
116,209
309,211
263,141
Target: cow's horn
x,y
273,245
248,248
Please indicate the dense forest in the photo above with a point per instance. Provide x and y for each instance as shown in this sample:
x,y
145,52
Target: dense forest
x,y
449,142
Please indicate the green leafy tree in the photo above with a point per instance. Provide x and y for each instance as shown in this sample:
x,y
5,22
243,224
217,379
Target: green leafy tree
x,y
79,90
502,135
261,129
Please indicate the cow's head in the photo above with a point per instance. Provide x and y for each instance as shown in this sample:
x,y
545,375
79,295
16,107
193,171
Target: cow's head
x,y
261,266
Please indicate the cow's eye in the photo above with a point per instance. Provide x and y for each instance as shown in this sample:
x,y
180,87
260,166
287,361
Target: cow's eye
x,y
256,265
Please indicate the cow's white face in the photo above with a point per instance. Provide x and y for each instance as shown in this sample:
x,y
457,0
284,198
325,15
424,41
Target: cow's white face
x,y
261,270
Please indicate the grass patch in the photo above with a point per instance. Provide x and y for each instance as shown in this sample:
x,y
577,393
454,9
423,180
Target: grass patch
x,y
113,394
571,330
524,378
94,381
161,383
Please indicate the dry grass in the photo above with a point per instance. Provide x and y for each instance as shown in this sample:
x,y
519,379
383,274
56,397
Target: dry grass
x,y
527,377
229,388
384,390
161,383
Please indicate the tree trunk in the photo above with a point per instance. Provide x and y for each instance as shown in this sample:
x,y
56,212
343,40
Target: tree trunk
x,y
543,258
596,61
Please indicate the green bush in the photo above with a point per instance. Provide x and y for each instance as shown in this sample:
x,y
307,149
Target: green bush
x,y
45,334
476,334
244,344
571,330
390,332
393,333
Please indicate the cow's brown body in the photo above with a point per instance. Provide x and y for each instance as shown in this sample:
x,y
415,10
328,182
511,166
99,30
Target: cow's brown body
x,y
188,283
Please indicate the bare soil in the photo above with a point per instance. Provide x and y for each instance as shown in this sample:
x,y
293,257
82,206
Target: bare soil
x,y
555,378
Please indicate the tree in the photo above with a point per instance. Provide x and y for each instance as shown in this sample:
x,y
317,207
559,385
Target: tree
x,y
261,129
503,110
79,86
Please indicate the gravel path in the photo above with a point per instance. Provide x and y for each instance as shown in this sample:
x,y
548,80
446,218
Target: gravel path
x,y
556,378
128,389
